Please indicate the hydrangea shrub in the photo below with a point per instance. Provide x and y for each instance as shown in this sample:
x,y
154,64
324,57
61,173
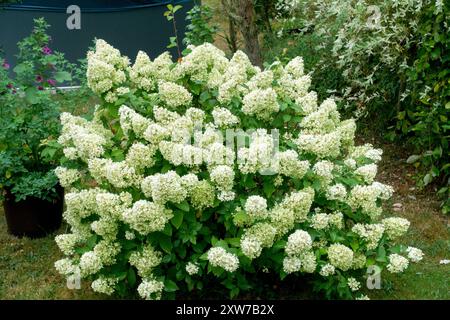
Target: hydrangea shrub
x,y
210,168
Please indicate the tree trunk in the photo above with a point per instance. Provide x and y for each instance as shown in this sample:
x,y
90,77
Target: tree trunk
x,y
267,16
245,13
231,37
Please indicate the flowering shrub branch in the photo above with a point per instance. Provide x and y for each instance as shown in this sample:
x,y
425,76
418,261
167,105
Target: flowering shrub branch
x,y
158,201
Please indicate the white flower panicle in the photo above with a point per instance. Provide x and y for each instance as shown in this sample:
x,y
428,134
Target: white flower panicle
x,y
150,289
90,263
353,284
140,156
336,192
258,156
340,256
67,176
146,260
223,118
66,267
320,221
146,217
256,207
367,172
67,243
324,171
192,268
106,69
372,233
292,264
163,188
251,247
223,177
218,257
104,285
290,165
261,103
395,227
397,263
174,95
414,254
327,270
298,242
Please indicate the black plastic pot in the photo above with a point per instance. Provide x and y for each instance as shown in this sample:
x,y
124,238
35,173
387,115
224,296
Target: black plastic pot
x,y
33,217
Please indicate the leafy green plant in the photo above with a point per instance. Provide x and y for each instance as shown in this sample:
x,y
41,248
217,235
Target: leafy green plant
x,y
426,120
29,118
199,29
170,16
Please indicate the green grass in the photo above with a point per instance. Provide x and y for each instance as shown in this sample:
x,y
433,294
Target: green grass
x,y
27,272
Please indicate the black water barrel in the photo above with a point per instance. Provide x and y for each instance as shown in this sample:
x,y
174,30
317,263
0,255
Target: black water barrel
x,y
129,25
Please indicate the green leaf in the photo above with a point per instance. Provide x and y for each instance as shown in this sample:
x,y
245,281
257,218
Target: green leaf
x,y
176,8
170,286
177,219
62,76
381,255
166,168
214,241
92,241
269,188
234,292
167,230
235,242
240,217
204,96
413,158
20,68
32,95
183,206
317,185
166,244
121,275
131,277
427,179
117,155
354,245
248,182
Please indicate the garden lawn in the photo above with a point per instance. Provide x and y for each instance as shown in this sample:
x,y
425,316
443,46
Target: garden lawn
x,y
27,272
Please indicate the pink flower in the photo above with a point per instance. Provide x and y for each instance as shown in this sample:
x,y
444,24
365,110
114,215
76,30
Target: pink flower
x,y
9,85
5,65
46,50
40,88
51,82
39,79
